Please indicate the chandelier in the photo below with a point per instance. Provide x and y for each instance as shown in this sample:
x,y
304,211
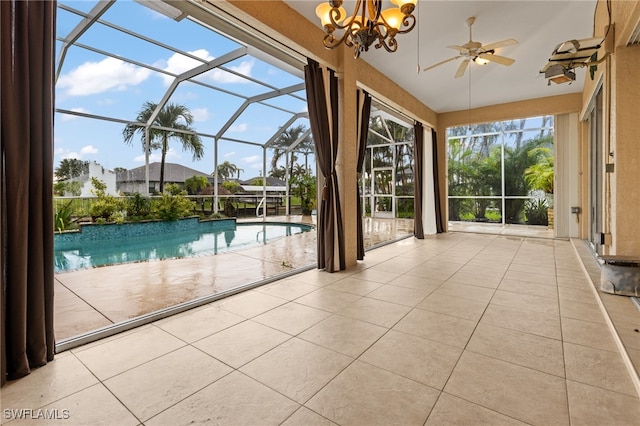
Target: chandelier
x,y
368,24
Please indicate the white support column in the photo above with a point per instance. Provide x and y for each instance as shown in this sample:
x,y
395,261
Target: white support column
x,y
566,164
428,192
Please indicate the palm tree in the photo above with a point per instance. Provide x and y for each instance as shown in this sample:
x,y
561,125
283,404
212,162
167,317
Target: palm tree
x,y
227,170
285,140
171,116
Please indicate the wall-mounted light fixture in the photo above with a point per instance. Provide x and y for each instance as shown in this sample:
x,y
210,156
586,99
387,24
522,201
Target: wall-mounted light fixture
x,y
367,24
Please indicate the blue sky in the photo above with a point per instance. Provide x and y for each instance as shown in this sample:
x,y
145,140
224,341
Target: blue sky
x,y
91,82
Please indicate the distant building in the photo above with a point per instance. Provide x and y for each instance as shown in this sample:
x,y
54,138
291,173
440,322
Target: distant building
x,y
132,181
96,171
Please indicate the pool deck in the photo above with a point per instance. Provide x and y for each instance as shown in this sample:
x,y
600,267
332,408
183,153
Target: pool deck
x,y
92,299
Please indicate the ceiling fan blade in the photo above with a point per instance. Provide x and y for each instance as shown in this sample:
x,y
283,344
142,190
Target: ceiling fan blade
x,y
497,44
461,49
462,68
440,63
497,59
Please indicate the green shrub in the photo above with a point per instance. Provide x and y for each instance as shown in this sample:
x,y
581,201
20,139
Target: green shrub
x,y
138,207
173,207
536,211
106,207
62,217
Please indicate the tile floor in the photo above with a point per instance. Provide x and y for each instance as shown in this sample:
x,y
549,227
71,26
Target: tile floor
x,y
458,328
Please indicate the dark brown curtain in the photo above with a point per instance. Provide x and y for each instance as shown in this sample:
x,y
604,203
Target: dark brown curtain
x,y
363,102
27,68
418,172
322,101
436,183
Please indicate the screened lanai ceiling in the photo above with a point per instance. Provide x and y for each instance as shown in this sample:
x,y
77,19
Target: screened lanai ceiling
x,y
114,56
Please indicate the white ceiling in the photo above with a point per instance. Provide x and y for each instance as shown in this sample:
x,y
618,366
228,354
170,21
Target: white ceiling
x,y
538,26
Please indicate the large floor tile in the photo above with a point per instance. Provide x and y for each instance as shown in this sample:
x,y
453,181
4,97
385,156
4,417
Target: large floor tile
x,y
533,289
413,357
119,355
581,311
546,325
297,369
593,406
199,323
454,306
399,295
531,277
328,300
587,333
376,275
377,312
306,417
155,386
419,283
465,291
92,406
241,343
524,394
366,395
598,368
473,279
288,289
61,377
437,327
343,334
355,286
527,302
450,410
525,349
251,303
233,400
292,318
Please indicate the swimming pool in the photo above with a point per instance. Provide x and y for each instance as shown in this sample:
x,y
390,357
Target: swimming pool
x,y
188,243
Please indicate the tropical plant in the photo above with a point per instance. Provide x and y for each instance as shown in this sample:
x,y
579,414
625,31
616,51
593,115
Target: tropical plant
x,y
70,168
304,186
541,174
174,205
138,206
284,142
62,217
536,211
106,207
171,116
73,188
195,184
228,170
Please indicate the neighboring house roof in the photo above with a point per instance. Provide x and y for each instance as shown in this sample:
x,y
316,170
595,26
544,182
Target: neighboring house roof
x,y
172,173
271,181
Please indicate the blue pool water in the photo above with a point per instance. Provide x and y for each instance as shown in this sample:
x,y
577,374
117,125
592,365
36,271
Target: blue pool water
x,y
232,237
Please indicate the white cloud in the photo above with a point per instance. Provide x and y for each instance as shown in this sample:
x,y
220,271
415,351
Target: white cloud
x,y
97,77
239,128
177,64
200,114
71,155
89,149
229,154
157,157
220,76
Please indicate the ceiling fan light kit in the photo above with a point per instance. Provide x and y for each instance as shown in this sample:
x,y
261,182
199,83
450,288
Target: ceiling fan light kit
x,y
367,24
477,52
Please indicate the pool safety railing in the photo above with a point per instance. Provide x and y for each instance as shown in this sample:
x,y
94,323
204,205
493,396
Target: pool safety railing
x,y
261,203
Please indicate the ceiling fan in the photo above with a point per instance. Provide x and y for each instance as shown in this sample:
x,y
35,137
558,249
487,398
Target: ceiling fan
x,y
475,51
